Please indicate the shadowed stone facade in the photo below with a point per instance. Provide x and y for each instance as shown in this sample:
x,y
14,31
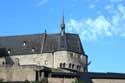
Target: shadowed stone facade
x,y
59,59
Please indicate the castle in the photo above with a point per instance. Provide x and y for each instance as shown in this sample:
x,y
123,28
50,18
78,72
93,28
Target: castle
x,y
54,56
62,51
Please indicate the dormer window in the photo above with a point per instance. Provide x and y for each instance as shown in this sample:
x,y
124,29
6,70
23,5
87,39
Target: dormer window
x,y
24,43
9,50
33,49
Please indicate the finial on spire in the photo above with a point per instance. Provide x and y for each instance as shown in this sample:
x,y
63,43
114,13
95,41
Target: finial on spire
x,y
63,25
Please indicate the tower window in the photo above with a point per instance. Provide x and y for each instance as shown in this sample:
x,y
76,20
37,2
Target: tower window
x,y
71,55
84,69
3,63
46,62
73,66
81,56
77,67
64,64
60,65
70,65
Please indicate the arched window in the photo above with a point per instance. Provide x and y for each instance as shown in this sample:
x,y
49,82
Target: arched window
x,y
64,65
3,63
84,69
73,66
70,65
77,67
60,65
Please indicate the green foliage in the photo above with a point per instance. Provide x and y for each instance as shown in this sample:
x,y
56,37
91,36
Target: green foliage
x,y
26,81
1,80
44,80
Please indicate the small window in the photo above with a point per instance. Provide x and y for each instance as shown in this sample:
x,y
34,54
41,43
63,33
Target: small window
x,y
24,43
64,65
33,49
3,63
84,69
71,55
46,62
77,67
17,61
73,66
9,50
70,65
81,56
60,65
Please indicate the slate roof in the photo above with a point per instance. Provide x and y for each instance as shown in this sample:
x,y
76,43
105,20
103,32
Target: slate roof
x,y
88,76
50,42
108,75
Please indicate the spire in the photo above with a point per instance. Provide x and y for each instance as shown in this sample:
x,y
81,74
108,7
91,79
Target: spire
x,y
63,26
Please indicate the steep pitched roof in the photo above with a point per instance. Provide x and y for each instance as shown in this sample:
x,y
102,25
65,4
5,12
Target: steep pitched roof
x,y
52,43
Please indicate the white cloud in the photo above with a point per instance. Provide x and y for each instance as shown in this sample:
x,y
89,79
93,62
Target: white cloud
x,y
91,29
115,1
123,34
109,7
101,26
121,8
42,2
91,6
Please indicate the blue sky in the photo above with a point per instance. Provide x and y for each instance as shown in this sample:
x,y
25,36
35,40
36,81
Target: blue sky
x,y
99,23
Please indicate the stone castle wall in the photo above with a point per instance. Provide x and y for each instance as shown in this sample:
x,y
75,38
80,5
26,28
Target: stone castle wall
x,y
52,60
108,80
61,80
2,60
17,73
